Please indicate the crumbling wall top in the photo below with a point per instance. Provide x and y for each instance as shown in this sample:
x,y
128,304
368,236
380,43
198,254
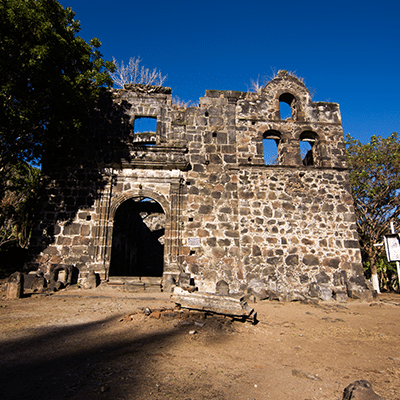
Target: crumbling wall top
x,y
227,94
285,78
286,88
137,87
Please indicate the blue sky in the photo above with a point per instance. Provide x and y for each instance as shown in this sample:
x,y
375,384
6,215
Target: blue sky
x,y
347,51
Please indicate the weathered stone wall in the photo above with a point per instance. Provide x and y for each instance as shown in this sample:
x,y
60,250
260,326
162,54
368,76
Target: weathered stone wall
x,y
286,226
66,232
228,216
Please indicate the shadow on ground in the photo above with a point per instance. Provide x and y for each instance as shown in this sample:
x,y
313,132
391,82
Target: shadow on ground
x,y
85,361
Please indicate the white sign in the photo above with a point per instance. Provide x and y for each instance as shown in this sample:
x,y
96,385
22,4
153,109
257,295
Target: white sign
x,y
392,245
193,241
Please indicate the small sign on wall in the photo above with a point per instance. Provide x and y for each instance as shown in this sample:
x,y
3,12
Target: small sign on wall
x,y
392,244
193,241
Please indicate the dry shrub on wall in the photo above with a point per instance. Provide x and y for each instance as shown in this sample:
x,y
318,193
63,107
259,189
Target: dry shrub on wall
x,y
133,73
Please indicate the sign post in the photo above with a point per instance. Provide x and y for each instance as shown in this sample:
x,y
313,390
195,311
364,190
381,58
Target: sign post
x,y
392,245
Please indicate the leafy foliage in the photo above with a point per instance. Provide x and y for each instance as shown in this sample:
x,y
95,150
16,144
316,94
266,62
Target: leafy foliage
x,y
387,273
375,180
51,81
49,78
19,185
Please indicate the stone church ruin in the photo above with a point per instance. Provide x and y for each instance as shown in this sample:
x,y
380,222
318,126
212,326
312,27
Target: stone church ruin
x,y
190,195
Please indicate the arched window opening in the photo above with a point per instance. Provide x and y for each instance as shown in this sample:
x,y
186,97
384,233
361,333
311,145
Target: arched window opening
x,y
145,130
271,140
307,141
287,106
138,239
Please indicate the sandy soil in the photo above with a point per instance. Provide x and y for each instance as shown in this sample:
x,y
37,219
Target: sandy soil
x,y
99,344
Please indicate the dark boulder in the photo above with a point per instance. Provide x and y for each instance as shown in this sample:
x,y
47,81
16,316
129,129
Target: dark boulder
x,y
360,390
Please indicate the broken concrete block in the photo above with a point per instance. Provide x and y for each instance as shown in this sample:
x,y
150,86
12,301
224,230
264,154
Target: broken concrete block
x,y
93,279
34,282
214,303
357,288
15,286
60,273
90,281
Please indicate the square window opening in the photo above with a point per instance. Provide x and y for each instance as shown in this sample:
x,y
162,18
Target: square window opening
x,y
145,130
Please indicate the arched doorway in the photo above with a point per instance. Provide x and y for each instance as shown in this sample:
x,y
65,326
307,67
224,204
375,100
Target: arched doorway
x,y
138,239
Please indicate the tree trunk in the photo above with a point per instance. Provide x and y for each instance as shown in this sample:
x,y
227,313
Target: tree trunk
x,y
375,282
374,276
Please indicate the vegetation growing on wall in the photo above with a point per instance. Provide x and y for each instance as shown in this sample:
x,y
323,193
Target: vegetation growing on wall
x,y
134,72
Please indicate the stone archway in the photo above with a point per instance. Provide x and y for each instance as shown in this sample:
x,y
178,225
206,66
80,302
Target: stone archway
x,y
138,239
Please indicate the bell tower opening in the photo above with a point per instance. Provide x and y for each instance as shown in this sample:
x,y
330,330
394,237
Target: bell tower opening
x,y
271,141
287,109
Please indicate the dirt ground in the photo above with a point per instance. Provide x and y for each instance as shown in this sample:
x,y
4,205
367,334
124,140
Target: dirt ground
x,y
99,344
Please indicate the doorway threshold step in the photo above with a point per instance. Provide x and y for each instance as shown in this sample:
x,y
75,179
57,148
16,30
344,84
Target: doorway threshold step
x,y
136,284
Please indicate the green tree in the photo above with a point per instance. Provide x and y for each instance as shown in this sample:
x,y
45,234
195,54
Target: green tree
x,y
375,180
49,79
19,187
